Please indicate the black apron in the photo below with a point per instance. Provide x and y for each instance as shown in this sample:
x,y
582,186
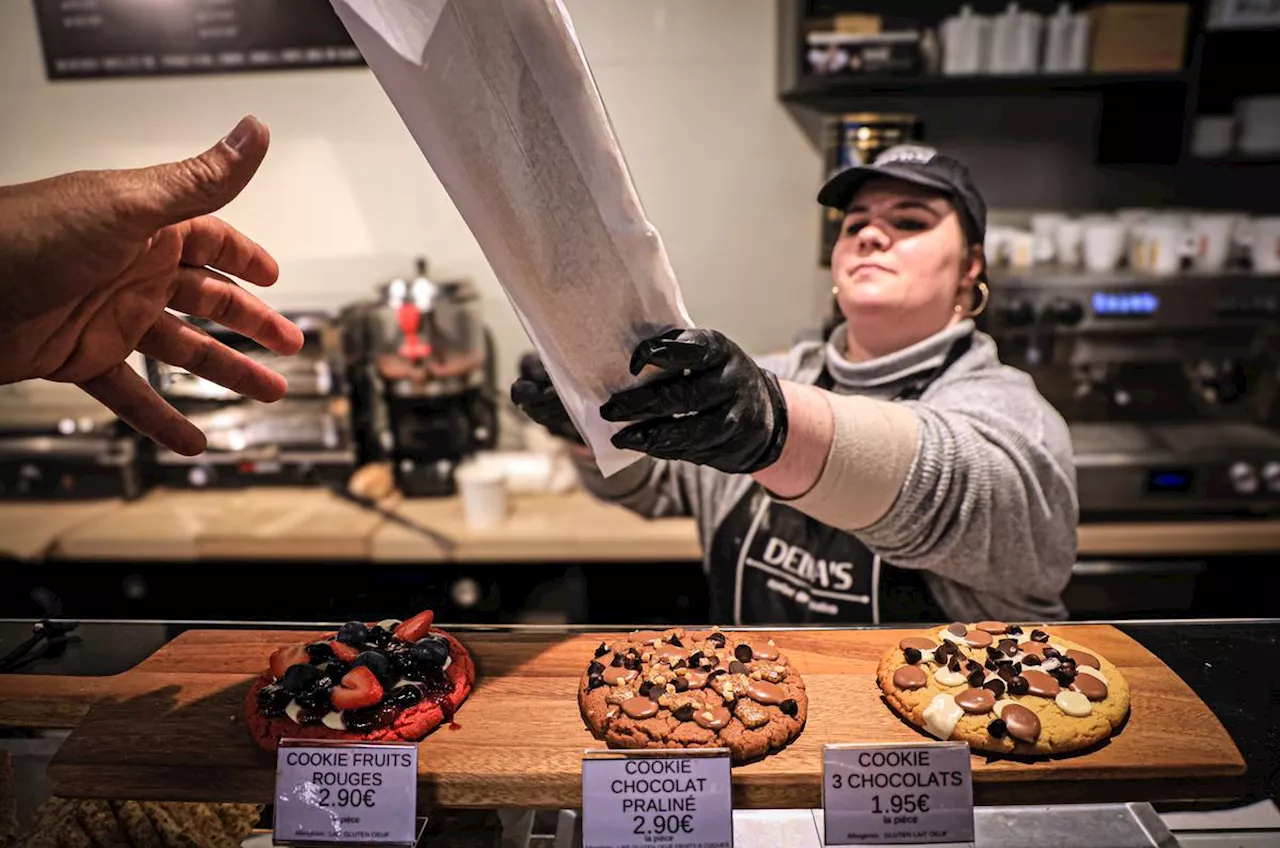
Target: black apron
x,y
772,564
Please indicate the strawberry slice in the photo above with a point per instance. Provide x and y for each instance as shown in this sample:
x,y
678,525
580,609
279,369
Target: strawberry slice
x,y
285,657
416,627
343,651
359,688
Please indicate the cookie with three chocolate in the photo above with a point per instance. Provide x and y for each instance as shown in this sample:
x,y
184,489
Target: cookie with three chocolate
x,y
693,690
1027,691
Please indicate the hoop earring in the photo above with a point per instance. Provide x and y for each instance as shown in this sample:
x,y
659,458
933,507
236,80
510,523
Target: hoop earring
x,y
982,304
835,290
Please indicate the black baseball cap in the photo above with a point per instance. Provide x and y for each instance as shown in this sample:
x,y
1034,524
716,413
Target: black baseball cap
x,y
922,165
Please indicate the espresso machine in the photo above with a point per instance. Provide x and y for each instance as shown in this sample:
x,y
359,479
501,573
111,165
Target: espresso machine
x,y
303,438
1169,385
420,364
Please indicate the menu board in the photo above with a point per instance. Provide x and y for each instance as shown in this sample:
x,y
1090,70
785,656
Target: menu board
x,y
110,38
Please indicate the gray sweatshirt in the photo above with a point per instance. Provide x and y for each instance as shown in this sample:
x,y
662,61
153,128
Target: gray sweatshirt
x,y
987,510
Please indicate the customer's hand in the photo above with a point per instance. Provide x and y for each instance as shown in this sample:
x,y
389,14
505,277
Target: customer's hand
x,y
710,404
537,398
90,260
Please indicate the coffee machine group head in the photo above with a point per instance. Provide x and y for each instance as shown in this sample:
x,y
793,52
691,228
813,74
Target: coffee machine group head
x,y
421,367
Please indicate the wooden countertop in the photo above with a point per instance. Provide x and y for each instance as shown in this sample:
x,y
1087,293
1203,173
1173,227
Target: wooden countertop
x,y
301,523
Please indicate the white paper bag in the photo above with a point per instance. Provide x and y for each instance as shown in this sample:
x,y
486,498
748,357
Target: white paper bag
x,y
498,96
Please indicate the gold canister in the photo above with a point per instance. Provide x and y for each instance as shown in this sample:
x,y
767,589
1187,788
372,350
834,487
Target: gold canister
x,y
854,139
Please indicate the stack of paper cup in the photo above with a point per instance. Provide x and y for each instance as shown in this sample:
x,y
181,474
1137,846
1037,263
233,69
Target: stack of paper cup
x,y
483,487
1104,242
1069,243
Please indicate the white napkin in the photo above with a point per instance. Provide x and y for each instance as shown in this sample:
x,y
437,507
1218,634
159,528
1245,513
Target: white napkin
x,y
498,95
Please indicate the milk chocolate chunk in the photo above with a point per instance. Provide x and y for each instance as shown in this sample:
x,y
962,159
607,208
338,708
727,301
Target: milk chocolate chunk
x,y
995,628
1084,658
695,659
617,661
639,707
1005,671
743,652
669,654
617,675
684,712
767,652
1089,686
695,679
917,642
997,728
1014,630
976,701
789,707
1021,723
1008,647
910,677
764,692
1031,659
715,718
1041,684
995,653
996,686
737,667
595,668
682,684
645,687
911,655
977,639
1019,686
656,692
595,681
602,650
1039,636
1033,649
716,639
957,629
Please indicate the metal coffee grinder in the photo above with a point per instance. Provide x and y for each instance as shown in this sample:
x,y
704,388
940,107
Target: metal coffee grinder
x,y
421,366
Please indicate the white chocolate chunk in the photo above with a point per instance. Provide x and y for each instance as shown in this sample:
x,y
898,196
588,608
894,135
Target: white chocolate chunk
x,y
292,711
1050,664
1062,649
999,705
334,721
1090,670
946,634
402,682
941,715
927,657
389,623
947,677
448,661
1073,703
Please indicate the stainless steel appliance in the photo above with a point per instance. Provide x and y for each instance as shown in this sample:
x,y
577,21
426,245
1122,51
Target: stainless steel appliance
x,y
1170,385
58,443
420,363
304,438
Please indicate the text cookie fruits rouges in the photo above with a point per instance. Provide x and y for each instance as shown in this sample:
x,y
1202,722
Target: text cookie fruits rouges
x,y
1005,689
390,681
678,689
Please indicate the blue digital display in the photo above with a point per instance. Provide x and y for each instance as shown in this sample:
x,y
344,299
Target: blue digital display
x,y
1125,303
1169,481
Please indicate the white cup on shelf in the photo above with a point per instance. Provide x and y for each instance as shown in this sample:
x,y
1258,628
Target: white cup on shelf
x,y
1263,237
1104,244
1069,243
1211,235
483,487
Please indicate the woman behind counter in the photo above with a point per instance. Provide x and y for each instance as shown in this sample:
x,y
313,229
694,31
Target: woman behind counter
x,y
897,472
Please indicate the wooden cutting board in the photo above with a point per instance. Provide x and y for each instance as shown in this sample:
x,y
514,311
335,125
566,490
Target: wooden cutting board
x,y
173,728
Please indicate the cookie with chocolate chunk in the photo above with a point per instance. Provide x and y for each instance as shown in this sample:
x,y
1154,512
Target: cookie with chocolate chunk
x,y
679,689
1005,688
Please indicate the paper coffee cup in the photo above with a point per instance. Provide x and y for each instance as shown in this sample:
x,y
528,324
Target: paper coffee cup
x,y
483,487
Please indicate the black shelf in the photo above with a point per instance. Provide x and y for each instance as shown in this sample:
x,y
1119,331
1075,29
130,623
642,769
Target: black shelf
x,y
832,93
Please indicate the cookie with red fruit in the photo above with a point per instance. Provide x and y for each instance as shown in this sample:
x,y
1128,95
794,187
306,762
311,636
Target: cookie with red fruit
x,y
385,681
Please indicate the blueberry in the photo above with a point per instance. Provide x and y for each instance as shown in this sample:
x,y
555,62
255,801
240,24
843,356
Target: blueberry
x,y
401,662
299,677
369,718
317,696
375,662
404,696
272,700
353,633
337,669
430,652
378,636
320,652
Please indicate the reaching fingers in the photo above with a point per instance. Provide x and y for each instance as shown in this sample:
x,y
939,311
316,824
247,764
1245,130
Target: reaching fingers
x,y
127,395
678,350
208,294
211,241
176,342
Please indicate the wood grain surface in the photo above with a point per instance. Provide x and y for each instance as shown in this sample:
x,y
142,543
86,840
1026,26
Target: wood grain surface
x,y
173,728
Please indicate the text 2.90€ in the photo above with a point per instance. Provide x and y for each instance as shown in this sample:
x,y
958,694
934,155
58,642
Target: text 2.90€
x,y
345,798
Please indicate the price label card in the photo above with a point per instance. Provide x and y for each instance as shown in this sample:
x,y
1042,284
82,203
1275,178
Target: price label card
x,y
676,799
345,792
884,794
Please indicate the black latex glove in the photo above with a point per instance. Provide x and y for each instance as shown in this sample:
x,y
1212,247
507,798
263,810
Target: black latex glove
x,y
537,398
711,405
